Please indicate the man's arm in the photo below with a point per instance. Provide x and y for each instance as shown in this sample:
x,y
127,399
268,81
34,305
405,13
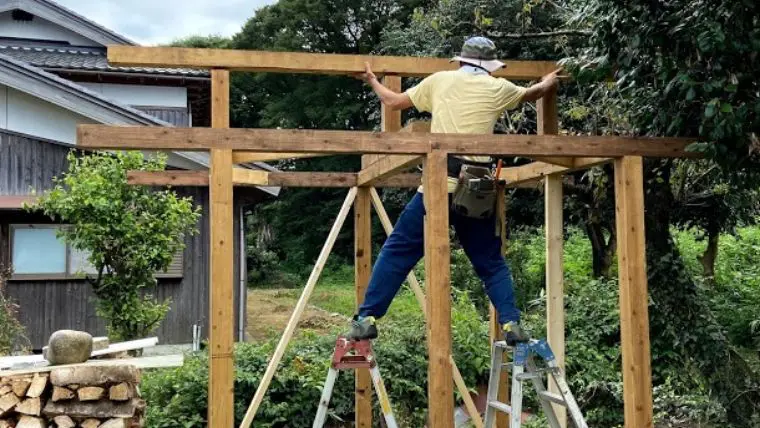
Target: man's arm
x,y
547,84
392,99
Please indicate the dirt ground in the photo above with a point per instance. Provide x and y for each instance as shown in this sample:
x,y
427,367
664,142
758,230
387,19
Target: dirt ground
x,y
270,310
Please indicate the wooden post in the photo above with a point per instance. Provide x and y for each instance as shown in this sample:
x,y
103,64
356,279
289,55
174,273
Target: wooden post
x,y
390,120
438,281
222,316
555,298
634,315
362,272
548,123
495,332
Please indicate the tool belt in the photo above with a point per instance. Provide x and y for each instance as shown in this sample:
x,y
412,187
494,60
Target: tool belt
x,y
475,193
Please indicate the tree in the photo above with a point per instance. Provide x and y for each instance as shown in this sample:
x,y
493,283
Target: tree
x,y
130,233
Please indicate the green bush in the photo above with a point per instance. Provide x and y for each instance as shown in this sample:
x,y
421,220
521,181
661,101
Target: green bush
x,y
12,333
177,397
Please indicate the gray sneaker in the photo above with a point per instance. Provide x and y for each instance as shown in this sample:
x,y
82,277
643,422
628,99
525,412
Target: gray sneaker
x,y
362,328
514,334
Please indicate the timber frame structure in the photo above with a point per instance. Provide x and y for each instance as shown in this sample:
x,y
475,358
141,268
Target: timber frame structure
x,y
386,154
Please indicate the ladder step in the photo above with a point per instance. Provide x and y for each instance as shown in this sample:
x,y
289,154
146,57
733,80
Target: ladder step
x,y
528,376
498,405
554,398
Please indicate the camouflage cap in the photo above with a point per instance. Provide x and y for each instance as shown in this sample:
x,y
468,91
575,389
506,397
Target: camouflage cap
x,y
480,52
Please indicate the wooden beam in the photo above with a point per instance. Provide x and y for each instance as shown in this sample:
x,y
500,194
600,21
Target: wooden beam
x,y
555,303
554,160
221,395
362,272
548,123
274,178
243,157
390,120
634,301
17,202
385,167
495,329
420,295
250,177
300,62
438,282
298,310
523,174
320,141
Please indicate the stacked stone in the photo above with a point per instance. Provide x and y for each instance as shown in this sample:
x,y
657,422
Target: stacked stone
x,y
88,396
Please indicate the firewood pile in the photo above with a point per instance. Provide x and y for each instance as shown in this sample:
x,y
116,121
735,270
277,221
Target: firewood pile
x,y
76,396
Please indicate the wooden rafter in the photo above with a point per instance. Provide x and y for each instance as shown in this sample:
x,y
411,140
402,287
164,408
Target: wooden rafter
x,y
300,62
533,171
385,167
318,141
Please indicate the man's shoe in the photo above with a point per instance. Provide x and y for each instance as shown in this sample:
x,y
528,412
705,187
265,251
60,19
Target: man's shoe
x,y
362,328
514,334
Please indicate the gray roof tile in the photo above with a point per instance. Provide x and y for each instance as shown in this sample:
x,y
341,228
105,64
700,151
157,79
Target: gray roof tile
x,y
83,58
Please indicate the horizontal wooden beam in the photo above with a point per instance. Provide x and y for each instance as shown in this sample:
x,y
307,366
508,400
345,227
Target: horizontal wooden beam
x,y
17,202
265,178
243,157
385,167
556,160
519,175
319,141
301,62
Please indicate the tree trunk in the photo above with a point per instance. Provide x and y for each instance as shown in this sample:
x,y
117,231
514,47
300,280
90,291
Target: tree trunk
x,y
602,250
707,259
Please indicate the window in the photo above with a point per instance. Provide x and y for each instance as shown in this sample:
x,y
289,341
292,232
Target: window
x,y
38,253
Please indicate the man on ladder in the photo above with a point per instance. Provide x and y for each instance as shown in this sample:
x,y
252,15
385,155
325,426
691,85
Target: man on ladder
x,y
468,100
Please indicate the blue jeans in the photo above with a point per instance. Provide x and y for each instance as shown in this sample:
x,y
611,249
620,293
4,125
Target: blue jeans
x,y
405,247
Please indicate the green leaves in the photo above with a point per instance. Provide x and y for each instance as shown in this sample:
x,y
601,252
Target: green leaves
x,y
130,232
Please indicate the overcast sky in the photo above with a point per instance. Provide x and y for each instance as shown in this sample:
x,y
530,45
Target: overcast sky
x,y
151,22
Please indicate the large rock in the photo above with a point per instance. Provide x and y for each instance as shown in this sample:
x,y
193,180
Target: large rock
x,y
68,347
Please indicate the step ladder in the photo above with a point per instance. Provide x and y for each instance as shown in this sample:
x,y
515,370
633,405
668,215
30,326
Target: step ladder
x,y
524,367
350,354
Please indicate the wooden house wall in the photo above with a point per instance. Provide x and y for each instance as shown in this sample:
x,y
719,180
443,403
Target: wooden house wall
x,y
46,306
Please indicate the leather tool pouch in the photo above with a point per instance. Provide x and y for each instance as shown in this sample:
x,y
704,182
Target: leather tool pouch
x,y
475,194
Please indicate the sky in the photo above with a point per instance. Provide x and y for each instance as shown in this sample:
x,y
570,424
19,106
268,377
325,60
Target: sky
x,y
151,22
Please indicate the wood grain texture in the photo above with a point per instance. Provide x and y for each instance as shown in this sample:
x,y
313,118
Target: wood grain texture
x,y
533,171
438,281
495,330
221,300
385,167
168,178
283,179
298,62
634,300
362,272
414,284
322,141
243,157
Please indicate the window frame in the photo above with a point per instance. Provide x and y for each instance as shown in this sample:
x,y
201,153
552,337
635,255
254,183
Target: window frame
x,y
68,274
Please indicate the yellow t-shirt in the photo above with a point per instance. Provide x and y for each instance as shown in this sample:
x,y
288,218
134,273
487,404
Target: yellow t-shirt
x,y
465,103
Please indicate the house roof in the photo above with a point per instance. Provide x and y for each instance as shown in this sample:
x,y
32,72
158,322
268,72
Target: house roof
x,y
64,93
67,18
59,57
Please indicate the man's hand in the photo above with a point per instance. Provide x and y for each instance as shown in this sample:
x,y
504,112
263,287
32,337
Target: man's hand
x,y
368,76
552,78
547,84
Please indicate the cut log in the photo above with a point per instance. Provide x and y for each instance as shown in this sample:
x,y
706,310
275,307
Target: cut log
x,y
64,421
7,403
94,409
62,394
115,423
20,387
6,424
90,423
31,422
73,386
4,389
39,382
30,406
94,375
121,392
90,393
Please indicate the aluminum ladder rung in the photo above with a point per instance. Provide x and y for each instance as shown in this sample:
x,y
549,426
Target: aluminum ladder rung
x,y
554,398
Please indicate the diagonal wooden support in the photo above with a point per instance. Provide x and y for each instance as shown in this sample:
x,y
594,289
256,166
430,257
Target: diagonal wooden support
x,y
518,175
298,311
420,295
384,167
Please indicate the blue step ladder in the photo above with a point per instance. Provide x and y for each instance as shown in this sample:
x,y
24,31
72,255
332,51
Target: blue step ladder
x,y
523,368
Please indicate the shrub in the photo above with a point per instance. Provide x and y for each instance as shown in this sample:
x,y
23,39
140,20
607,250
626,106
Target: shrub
x,y
177,397
12,333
